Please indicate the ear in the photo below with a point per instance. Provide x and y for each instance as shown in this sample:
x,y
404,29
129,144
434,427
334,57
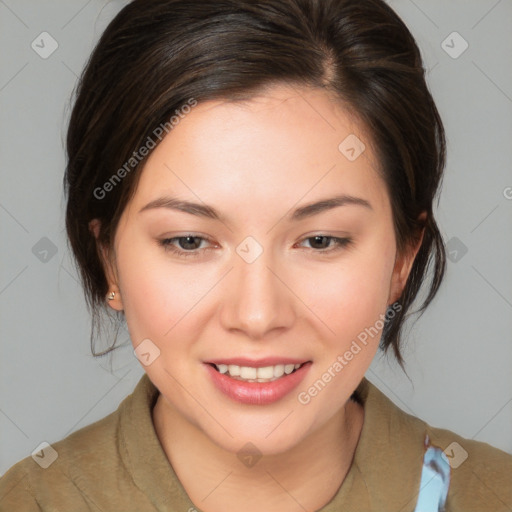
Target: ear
x,y
108,267
403,265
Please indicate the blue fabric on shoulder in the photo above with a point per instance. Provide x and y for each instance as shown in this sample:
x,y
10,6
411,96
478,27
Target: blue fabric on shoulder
x,y
435,480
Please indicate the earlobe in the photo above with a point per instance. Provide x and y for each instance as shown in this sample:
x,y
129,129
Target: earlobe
x,y
403,266
94,227
401,272
113,297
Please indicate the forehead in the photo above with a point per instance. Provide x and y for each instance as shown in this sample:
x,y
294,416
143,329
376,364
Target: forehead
x,y
286,144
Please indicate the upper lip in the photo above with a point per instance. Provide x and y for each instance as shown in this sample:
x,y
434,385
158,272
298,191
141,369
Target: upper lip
x,y
256,363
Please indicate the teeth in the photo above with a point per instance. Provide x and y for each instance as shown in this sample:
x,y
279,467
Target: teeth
x,y
246,372
288,368
279,370
234,370
264,374
267,372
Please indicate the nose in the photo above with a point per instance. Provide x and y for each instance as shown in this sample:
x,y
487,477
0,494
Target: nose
x,y
257,298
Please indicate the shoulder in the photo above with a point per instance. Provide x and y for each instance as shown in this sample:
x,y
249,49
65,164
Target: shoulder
x,y
480,475
57,470
86,470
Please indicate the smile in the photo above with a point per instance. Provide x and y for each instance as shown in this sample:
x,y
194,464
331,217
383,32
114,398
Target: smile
x,y
262,374
257,383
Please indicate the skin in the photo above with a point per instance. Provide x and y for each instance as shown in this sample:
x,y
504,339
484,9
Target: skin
x,y
255,162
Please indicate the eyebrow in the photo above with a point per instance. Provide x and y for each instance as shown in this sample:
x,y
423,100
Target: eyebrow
x,y
203,210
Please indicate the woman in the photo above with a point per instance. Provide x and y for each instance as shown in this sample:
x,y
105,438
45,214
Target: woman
x,y
251,186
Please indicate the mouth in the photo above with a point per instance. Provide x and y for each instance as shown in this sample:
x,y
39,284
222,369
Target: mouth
x,y
257,382
256,374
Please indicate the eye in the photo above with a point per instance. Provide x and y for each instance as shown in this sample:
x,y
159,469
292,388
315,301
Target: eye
x,y
321,243
188,245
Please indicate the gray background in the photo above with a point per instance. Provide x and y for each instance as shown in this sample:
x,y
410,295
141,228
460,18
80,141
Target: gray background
x,y
459,353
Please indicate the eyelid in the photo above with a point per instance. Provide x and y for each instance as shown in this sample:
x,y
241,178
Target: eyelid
x,y
167,245
339,243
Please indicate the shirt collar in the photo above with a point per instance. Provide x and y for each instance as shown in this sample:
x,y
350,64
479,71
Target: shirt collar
x,y
384,474
142,453
387,464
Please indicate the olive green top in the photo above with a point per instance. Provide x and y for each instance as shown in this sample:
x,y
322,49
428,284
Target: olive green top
x,y
118,464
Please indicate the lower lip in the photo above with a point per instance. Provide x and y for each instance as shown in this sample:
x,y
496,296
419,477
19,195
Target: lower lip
x,y
258,393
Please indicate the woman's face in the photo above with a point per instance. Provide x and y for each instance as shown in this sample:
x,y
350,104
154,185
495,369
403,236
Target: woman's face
x,y
254,276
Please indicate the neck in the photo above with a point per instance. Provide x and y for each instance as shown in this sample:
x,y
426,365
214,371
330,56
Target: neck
x,y
305,477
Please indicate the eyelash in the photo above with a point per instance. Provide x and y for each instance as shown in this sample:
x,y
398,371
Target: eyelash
x,y
166,243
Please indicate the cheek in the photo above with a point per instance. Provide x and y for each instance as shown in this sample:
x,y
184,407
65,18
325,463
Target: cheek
x,y
344,296
350,295
350,300
157,299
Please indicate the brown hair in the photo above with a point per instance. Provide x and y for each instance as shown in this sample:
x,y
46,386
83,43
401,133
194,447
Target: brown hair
x,y
157,55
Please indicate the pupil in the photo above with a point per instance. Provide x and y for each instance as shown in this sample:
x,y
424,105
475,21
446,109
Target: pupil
x,y
188,239
319,239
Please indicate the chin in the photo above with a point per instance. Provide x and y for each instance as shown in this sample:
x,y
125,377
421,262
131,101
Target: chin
x,y
268,434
